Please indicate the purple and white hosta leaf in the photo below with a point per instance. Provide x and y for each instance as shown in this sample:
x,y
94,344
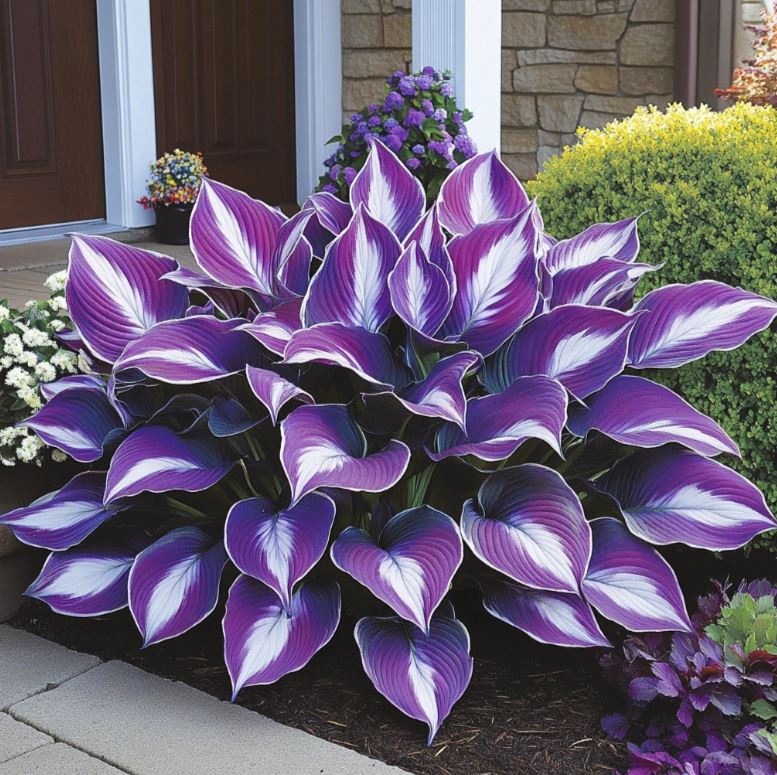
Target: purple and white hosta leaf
x,y
603,284
278,546
420,292
197,349
77,421
557,618
631,583
321,446
89,579
496,281
363,352
481,190
681,323
263,641
332,213
528,523
672,495
115,292
422,675
431,239
228,417
351,287
440,394
619,240
274,391
90,381
174,583
230,301
531,408
156,459
582,347
61,519
233,237
544,240
292,256
275,327
388,190
638,412
411,564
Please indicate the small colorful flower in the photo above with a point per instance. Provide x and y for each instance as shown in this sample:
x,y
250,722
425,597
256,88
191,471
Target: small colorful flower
x,y
446,90
418,150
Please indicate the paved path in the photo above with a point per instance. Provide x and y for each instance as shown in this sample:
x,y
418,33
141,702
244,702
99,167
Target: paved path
x,y
23,268
71,714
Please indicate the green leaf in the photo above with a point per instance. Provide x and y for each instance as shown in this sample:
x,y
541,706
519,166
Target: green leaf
x,y
763,709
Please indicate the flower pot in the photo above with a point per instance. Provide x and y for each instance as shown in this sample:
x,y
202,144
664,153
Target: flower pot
x,y
172,224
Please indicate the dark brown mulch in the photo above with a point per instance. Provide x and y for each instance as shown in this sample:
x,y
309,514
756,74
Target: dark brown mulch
x,y
530,709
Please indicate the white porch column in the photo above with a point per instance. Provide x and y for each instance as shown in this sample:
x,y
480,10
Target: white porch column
x,y
128,114
465,37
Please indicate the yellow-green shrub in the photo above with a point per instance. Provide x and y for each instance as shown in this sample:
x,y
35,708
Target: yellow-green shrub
x,y
707,184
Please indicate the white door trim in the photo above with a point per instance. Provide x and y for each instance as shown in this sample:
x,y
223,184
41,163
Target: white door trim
x,y
127,94
318,78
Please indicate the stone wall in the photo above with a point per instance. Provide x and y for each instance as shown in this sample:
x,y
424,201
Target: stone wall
x,y
750,12
377,40
567,63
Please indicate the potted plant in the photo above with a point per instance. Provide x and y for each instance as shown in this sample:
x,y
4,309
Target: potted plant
x,y
172,189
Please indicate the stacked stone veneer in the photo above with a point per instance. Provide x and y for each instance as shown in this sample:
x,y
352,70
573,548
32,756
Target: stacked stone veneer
x,y
567,63
377,40
564,63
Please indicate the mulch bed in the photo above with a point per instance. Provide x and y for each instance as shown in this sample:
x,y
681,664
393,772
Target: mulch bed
x,y
530,709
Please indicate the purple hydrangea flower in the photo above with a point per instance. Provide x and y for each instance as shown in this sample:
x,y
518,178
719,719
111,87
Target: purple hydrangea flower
x,y
446,90
423,82
373,121
414,117
429,70
373,108
329,188
427,107
393,101
418,150
393,142
334,172
441,148
390,123
440,114
407,86
349,173
464,144
413,163
457,118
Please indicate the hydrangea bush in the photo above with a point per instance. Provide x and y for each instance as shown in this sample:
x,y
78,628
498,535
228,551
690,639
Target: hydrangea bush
x,y
703,703
31,359
418,119
385,384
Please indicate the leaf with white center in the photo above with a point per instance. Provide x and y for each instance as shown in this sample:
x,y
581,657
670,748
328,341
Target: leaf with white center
x,y
156,459
321,446
421,675
631,583
682,323
274,391
174,583
672,495
263,642
275,327
430,237
638,412
529,524
278,546
409,566
115,292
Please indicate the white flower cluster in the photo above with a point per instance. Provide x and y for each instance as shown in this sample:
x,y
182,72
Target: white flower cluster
x,y
29,356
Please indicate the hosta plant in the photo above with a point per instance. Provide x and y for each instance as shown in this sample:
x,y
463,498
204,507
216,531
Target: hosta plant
x,y
396,400
704,702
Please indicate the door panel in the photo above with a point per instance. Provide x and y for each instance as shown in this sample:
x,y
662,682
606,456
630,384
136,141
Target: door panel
x,y
51,164
224,85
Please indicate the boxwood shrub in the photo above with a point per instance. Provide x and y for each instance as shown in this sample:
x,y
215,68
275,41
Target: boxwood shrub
x,y
707,185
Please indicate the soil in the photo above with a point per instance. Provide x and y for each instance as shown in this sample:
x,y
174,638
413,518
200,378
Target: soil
x,y
530,709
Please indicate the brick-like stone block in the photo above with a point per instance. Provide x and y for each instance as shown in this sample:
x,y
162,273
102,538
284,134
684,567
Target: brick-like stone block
x,y
523,30
648,44
508,65
359,94
518,110
362,31
361,6
600,32
621,106
519,140
545,79
546,152
597,79
523,165
359,63
752,12
559,113
574,7
646,80
545,56
549,138
653,11
397,31
525,5
593,120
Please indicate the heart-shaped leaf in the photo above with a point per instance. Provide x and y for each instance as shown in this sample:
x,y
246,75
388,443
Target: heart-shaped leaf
x,y
275,327
431,240
411,564
274,391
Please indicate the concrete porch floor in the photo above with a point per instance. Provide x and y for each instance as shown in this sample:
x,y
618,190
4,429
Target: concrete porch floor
x,y
24,267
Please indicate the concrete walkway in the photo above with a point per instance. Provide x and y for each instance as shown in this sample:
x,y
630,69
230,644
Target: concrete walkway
x,y
71,714
24,267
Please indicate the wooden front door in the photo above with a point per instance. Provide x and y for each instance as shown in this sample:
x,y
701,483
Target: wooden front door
x,y
224,85
51,159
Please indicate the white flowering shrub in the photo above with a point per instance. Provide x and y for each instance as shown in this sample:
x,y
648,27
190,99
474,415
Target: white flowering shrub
x,y
31,356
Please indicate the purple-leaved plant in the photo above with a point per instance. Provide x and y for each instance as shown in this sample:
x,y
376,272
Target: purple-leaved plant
x,y
385,384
